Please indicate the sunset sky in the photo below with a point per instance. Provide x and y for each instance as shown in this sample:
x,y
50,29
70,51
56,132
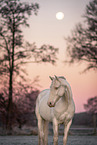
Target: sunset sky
x,y
46,29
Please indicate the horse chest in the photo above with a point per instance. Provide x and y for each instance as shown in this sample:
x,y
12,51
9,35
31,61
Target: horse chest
x,y
44,110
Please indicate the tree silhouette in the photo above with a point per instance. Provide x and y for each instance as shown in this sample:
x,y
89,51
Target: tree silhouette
x,y
91,107
82,44
24,98
26,105
15,53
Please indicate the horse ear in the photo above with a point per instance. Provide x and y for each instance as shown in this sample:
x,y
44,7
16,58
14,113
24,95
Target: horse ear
x,y
51,77
57,78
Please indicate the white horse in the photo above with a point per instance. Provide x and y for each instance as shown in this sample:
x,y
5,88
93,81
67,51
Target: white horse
x,y
54,105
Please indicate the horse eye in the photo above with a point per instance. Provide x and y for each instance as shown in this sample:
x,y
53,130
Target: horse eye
x,y
56,88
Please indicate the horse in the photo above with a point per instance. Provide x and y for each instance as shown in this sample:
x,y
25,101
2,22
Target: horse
x,y
54,105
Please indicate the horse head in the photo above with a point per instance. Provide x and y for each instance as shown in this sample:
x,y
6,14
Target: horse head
x,y
57,90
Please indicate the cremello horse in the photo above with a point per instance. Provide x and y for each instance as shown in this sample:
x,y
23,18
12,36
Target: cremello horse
x,y
55,105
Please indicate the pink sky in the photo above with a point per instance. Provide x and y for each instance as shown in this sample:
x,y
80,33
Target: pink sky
x,y
46,29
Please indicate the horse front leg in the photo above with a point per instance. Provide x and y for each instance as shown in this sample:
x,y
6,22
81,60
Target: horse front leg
x,y
45,132
66,130
40,131
55,130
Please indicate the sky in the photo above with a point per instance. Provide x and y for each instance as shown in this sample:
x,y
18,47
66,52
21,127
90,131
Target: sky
x,y
46,29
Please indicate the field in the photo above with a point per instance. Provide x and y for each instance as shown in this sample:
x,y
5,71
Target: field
x,y
33,140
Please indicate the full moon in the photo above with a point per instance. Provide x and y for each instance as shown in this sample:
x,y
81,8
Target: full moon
x,y
60,15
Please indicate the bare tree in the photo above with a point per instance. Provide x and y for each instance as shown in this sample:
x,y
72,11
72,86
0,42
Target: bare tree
x,y
26,105
91,107
24,97
14,52
82,44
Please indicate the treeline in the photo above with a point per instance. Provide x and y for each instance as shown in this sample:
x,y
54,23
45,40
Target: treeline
x,y
29,119
83,119
22,112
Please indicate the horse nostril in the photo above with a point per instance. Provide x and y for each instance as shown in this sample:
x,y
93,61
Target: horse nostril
x,y
50,103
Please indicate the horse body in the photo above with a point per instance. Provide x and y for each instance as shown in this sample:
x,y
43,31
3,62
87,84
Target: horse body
x,y
55,105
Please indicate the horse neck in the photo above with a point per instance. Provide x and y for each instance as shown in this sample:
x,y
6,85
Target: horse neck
x,y
63,103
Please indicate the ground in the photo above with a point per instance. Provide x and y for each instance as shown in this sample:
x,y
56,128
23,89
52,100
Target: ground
x,y
33,140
